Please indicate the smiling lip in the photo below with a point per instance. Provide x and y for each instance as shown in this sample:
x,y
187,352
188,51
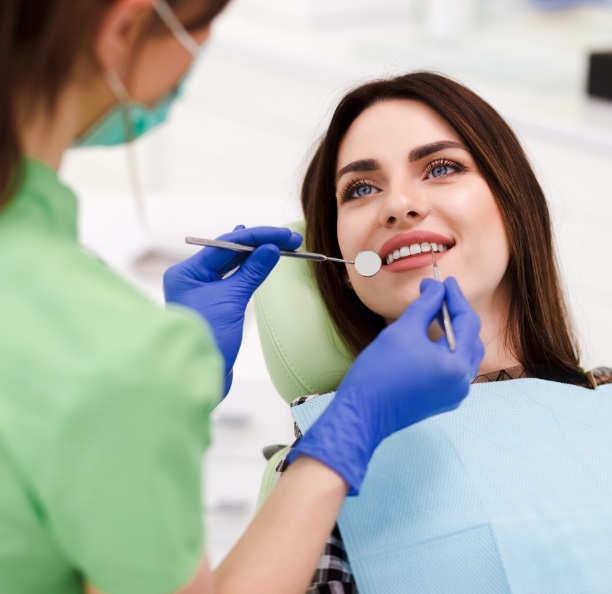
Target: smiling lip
x,y
417,260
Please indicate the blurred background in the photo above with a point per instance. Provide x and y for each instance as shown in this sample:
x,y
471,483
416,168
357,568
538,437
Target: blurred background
x,y
239,139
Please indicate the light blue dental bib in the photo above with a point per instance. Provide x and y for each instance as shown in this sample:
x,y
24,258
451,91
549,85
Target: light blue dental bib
x,y
512,492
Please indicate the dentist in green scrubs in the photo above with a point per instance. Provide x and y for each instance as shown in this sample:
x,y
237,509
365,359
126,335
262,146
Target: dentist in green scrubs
x,y
105,398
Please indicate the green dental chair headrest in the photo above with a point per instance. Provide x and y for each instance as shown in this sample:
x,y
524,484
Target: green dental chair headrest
x,y
301,347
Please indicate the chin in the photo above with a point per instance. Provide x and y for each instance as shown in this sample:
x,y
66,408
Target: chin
x,y
394,305
392,315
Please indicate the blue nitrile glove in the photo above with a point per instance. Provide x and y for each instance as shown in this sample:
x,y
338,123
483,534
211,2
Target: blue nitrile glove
x,y
401,378
198,283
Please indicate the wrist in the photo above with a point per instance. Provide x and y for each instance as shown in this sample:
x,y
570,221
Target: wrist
x,y
342,439
315,472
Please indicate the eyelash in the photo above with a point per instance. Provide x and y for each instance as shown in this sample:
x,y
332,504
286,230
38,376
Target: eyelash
x,y
444,163
441,162
352,185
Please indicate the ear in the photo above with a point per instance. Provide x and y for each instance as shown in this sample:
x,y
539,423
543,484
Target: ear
x,y
119,32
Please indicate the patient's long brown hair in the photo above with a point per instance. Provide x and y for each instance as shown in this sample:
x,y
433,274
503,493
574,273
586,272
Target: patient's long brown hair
x,y
538,328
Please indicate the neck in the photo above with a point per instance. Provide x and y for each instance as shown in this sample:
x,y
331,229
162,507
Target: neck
x,y
497,356
46,137
494,323
46,134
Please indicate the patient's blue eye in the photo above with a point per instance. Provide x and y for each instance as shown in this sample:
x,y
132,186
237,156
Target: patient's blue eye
x,y
358,189
363,190
441,170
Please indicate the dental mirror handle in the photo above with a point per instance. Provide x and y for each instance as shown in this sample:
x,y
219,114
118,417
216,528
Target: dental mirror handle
x,y
239,247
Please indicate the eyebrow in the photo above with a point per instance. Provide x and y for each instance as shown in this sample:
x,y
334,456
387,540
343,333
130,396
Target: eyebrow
x,y
361,165
416,154
420,152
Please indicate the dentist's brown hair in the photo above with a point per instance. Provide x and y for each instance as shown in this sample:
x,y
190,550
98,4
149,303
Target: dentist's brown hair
x,y
538,323
41,44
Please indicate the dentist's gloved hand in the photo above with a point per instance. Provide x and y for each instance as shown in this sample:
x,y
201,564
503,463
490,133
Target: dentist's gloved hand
x,y
401,378
198,283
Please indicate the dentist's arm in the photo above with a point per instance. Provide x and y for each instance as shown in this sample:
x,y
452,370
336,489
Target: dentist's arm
x,y
278,553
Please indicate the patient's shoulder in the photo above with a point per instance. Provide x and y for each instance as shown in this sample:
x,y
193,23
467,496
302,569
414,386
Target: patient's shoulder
x,y
602,375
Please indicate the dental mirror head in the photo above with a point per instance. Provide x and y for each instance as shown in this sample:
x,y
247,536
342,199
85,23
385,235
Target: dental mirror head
x,y
367,263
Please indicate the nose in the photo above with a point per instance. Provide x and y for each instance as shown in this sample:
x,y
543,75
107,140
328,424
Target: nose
x,y
402,205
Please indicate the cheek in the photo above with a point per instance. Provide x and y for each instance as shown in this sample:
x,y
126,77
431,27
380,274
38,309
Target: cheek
x,y
484,261
492,232
388,294
345,242
172,63
350,233
479,223
371,294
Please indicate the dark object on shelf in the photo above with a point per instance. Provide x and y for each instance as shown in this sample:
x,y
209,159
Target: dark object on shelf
x,y
600,75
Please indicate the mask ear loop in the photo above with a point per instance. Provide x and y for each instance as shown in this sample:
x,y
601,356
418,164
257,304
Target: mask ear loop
x,y
153,260
148,262
121,92
167,15
171,21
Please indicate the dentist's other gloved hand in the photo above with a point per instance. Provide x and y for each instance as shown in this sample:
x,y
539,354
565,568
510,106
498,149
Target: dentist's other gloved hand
x,y
199,283
401,378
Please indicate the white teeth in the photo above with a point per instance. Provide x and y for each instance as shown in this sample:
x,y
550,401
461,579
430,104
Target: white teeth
x,y
415,248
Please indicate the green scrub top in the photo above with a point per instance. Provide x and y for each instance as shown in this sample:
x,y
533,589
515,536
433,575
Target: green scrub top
x,y
104,414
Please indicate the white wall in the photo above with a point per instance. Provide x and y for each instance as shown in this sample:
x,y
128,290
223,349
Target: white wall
x,y
237,144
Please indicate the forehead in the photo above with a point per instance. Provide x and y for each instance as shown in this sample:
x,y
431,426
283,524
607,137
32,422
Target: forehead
x,y
398,124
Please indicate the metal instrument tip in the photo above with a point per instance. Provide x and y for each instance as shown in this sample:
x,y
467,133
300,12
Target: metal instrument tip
x,y
436,270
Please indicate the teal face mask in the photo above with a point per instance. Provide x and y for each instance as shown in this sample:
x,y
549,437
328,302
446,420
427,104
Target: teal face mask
x,y
130,120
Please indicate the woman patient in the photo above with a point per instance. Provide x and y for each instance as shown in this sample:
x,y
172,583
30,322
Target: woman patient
x,y
419,163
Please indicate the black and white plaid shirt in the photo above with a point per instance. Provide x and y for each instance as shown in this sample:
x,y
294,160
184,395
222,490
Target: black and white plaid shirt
x,y
334,574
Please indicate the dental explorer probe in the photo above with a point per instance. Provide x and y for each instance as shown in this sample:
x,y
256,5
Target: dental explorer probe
x,y
448,327
367,263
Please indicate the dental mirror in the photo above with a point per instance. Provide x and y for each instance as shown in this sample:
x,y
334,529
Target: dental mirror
x,y
367,263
